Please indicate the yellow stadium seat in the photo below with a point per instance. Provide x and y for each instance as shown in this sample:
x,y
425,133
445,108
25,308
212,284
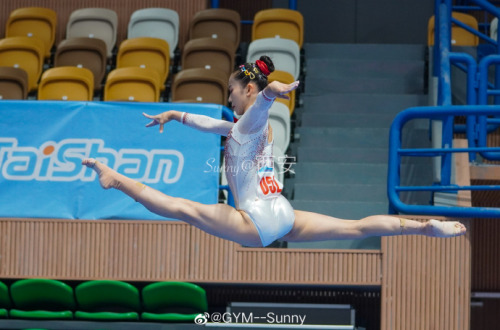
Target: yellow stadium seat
x,y
145,52
26,53
279,23
33,22
132,84
66,83
459,36
286,78
216,23
13,83
200,85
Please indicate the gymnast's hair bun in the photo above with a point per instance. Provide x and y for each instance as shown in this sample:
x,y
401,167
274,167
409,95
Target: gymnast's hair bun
x,y
265,65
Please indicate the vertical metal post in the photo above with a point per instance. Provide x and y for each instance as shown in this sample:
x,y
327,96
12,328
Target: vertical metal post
x,y
292,4
444,94
214,3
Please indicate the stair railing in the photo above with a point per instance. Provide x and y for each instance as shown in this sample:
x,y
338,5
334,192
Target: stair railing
x,y
396,151
478,118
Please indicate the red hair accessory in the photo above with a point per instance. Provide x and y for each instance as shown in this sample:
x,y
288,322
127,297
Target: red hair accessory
x,y
263,67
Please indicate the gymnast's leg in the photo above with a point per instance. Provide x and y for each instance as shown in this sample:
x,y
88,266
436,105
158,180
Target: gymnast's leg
x,y
310,226
220,220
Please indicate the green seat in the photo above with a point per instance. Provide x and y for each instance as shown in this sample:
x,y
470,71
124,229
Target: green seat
x,y
107,300
173,302
5,302
42,299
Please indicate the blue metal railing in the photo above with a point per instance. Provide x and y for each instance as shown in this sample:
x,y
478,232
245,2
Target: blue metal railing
x,y
480,117
396,151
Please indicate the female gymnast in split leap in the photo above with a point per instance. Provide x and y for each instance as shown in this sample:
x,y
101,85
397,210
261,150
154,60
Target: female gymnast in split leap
x,y
262,214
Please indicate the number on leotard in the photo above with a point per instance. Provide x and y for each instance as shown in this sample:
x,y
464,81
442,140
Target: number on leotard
x,y
269,184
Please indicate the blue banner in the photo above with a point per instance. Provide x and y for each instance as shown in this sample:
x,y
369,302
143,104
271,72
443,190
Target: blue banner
x,y
42,144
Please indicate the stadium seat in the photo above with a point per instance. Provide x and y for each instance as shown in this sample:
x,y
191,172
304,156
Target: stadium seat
x,y
459,36
5,303
286,78
208,53
66,83
84,52
98,23
216,23
494,28
200,85
285,54
162,23
13,83
25,53
106,300
279,119
184,301
41,299
33,22
145,52
132,84
279,23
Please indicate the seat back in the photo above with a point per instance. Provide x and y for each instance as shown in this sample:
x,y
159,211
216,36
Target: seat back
x,y
494,28
145,52
285,54
26,53
33,22
162,23
200,85
98,23
13,83
286,78
4,296
208,53
279,119
279,23
42,294
459,36
216,23
107,295
132,84
162,295
89,53
66,83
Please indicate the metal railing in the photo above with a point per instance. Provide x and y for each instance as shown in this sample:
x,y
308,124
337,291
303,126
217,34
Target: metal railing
x,y
481,118
396,151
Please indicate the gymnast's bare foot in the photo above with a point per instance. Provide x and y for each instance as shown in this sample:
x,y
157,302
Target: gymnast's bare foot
x,y
107,177
435,228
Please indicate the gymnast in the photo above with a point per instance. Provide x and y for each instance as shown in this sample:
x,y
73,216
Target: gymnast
x,y
261,214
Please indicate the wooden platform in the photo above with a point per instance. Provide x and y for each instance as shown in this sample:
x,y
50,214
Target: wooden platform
x,y
424,281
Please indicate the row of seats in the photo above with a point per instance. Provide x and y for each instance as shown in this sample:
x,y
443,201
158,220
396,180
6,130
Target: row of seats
x,y
102,300
208,52
162,23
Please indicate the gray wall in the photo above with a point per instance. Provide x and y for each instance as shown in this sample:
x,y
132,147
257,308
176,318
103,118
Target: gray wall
x,y
364,21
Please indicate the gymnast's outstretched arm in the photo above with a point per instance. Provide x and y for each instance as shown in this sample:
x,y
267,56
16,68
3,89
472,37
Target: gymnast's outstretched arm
x,y
200,122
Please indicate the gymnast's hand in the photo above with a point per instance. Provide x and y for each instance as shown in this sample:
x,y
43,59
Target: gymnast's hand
x,y
279,89
162,118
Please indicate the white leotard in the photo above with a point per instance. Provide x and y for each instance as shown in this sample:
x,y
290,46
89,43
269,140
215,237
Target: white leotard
x,y
249,169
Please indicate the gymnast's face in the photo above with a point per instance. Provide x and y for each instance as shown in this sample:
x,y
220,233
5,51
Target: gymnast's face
x,y
241,98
